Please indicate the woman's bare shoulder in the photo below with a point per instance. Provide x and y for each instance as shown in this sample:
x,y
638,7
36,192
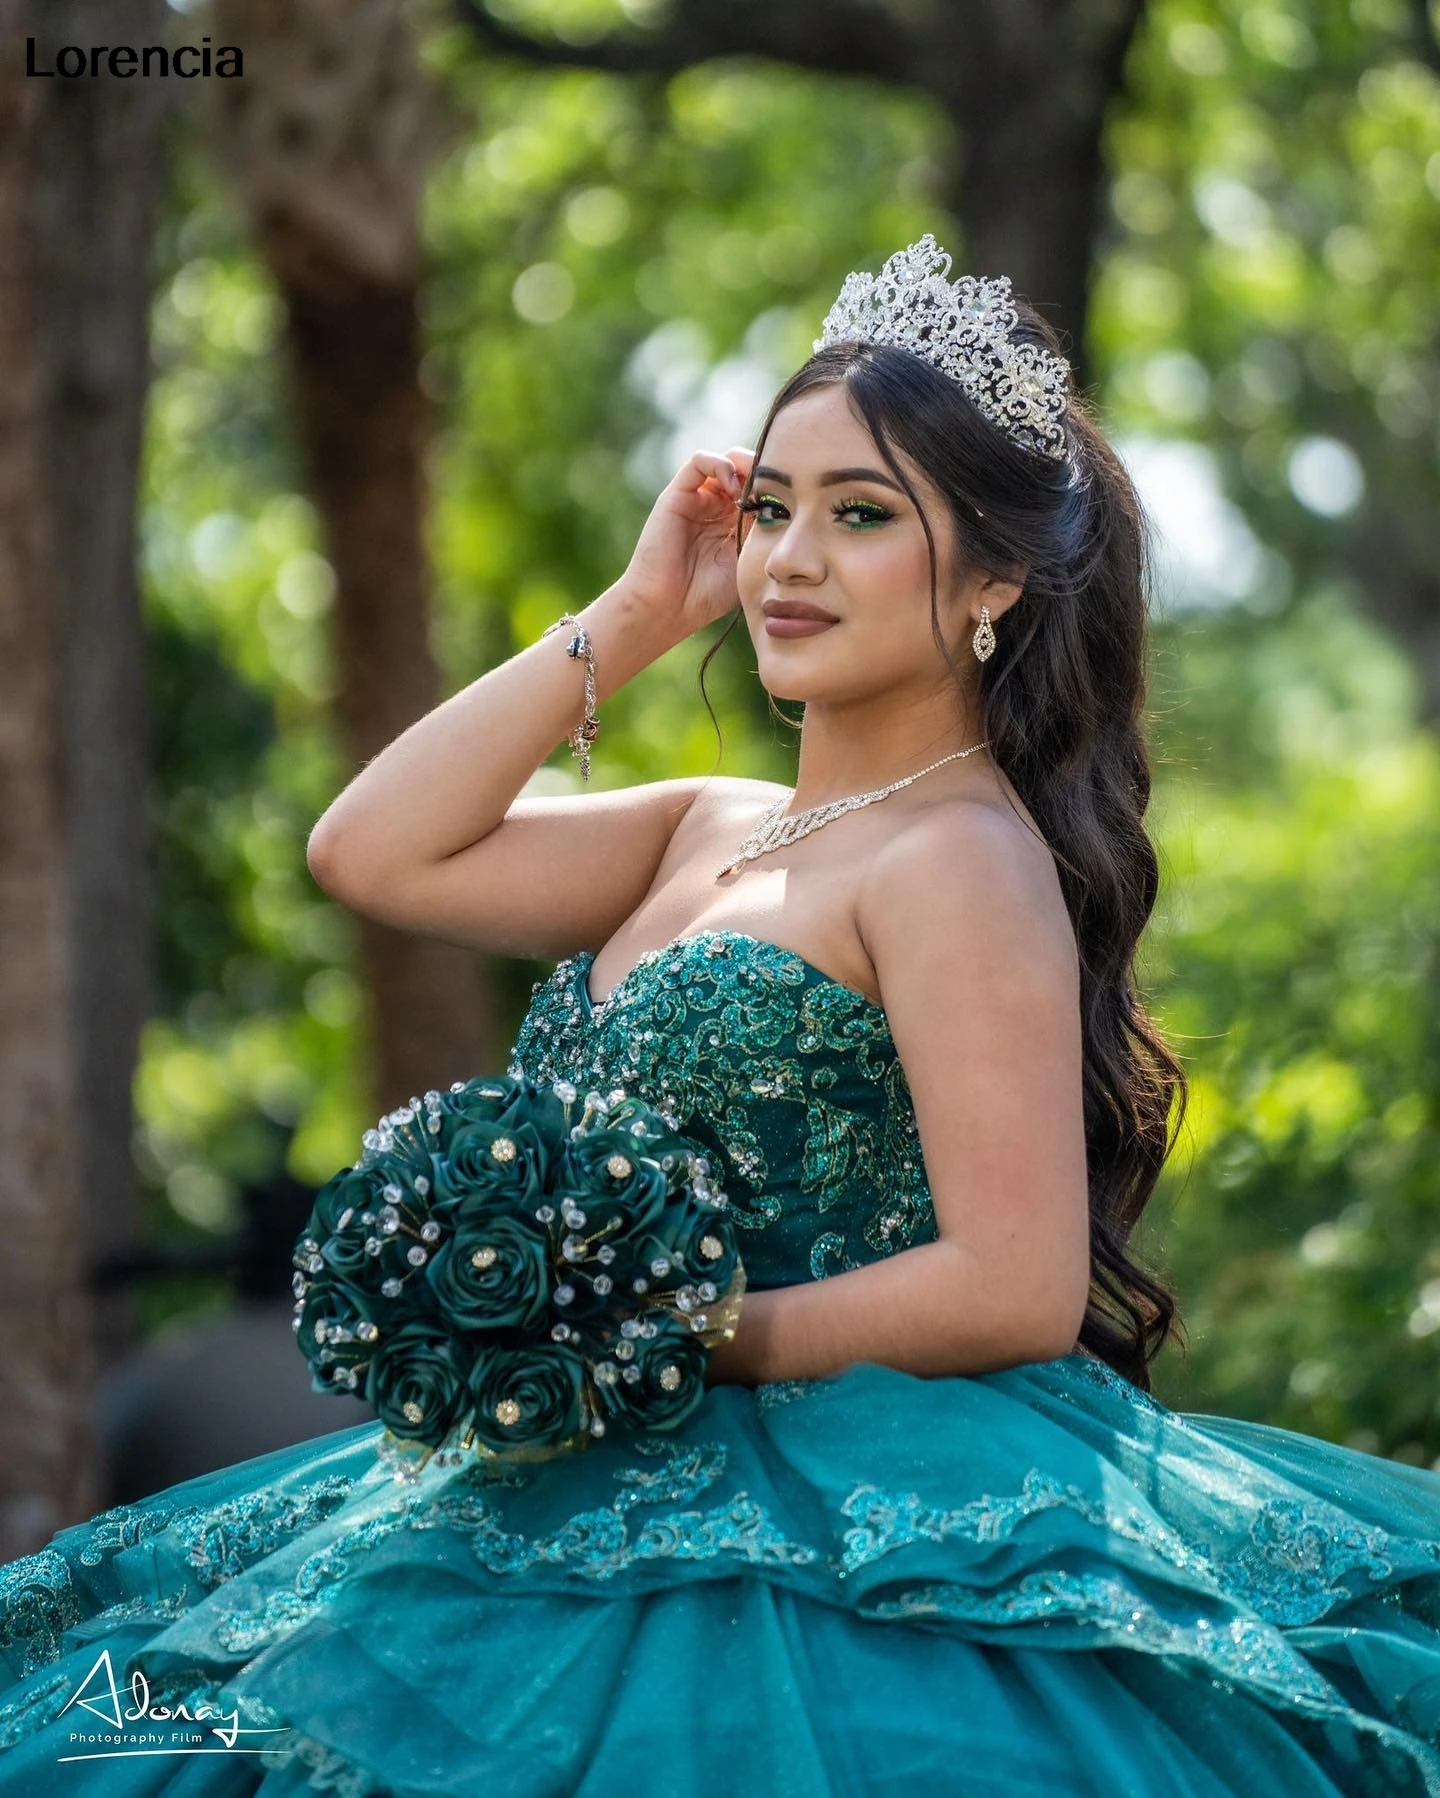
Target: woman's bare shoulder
x,y
980,852
743,786
723,795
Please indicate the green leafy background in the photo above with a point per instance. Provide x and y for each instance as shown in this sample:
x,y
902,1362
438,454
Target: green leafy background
x,y
615,262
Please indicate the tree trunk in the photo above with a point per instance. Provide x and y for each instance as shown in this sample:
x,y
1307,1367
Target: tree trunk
x,y
1028,85
329,138
100,162
354,355
46,1447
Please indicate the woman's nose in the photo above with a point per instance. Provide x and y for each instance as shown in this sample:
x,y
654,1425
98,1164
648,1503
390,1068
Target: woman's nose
x,y
794,553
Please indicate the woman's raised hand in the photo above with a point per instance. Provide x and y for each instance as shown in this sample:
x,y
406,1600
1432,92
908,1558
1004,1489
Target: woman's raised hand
x,y
683,569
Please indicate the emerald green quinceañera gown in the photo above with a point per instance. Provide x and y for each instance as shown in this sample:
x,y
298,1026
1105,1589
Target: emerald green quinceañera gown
x,y
1024,1584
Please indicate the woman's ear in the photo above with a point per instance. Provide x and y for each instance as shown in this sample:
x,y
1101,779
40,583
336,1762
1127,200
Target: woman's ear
x,y
1000,594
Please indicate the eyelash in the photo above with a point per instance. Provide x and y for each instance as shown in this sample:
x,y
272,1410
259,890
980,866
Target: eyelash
x,y
872,512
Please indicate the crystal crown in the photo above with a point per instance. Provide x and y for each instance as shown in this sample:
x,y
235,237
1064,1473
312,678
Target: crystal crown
x,y
964,328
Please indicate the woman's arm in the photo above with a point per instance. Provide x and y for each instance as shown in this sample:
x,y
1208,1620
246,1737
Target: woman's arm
x,y
447,781
929,1310
964,921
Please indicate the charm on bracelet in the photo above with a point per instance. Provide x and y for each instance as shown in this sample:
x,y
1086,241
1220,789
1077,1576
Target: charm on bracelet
x,y
588,729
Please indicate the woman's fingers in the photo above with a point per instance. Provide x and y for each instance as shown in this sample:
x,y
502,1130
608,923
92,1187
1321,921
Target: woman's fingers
x,y
739,462
728,471
726,475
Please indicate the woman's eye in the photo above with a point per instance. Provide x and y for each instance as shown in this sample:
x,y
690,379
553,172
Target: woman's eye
x,y
866,511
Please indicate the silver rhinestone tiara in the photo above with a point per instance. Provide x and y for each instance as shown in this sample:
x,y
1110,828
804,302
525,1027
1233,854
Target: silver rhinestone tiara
x,y
964,329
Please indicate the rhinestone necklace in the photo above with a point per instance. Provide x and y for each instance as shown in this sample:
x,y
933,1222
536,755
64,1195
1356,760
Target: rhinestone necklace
x,y
775,832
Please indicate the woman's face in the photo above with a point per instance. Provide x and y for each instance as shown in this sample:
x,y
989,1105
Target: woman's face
x,y
828,526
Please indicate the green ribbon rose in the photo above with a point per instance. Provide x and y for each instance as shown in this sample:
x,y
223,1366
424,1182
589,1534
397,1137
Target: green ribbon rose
x,y
493,1272
527,1397
345,1191
332,1303
414,1386
504,1163
671,1366
617,1181
505,1105
702,1241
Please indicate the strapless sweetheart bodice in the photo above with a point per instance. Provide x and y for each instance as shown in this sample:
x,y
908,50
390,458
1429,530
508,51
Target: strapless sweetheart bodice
x,y
790,1076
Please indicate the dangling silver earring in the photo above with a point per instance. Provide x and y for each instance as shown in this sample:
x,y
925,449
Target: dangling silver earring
x,y
984,638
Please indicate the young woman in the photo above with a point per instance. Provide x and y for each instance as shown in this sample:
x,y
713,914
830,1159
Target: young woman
x,y
928,1531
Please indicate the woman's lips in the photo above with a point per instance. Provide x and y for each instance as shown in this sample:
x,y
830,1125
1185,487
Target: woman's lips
x,y
797,627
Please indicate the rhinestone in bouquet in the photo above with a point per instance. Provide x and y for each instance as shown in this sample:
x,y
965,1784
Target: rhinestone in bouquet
x,y
500,1276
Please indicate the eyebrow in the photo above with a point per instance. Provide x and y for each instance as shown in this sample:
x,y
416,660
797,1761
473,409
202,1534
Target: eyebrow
x,y
832,478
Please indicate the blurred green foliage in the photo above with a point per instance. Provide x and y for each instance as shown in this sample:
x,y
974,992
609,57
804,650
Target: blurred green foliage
x,y
1294,961
616,262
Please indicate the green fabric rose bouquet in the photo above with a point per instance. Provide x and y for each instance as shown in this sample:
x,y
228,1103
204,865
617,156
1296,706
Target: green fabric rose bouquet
x,y
493,1277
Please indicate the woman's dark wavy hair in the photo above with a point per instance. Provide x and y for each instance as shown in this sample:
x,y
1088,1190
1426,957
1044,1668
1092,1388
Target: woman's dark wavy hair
x,y
1062,700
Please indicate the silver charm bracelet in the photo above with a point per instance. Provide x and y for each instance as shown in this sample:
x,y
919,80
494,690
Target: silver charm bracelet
x,y
584,733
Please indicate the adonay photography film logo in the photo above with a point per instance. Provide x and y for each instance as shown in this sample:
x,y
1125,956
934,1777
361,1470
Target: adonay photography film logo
x,y
147,1727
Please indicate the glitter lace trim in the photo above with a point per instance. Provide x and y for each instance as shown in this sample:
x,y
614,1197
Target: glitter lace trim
x,y
38,1599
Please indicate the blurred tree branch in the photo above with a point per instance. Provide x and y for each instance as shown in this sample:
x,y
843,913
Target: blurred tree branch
x,y
1427,40
1026,83
854,38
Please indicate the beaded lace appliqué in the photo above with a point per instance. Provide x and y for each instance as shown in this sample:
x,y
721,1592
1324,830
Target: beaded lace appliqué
x,y
597,1544
792,1076
38,1601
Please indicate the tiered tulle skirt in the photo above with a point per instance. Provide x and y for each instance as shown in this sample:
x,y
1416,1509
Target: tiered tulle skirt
x,y
1035,1582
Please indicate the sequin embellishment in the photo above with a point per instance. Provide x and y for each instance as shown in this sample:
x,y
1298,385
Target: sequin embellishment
x,y
791,1076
